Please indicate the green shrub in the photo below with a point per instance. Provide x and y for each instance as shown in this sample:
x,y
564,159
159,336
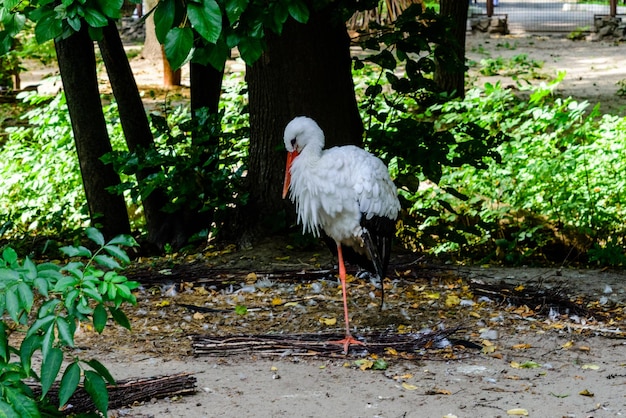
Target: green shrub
x,y
560,175
44,303
198,165
42,188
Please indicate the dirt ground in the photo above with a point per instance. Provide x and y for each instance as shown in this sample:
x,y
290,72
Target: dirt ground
x,y
526,359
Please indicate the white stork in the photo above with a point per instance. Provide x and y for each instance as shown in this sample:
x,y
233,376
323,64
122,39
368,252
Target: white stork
x,y
345,192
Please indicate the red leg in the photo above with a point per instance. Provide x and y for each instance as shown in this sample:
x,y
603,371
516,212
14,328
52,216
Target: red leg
x,y
342,276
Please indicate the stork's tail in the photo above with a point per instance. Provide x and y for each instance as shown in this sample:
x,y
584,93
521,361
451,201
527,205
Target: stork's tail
x,y
373,254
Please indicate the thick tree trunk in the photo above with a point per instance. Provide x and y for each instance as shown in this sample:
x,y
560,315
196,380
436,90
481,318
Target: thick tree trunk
x,y
305,71
450,75
77,65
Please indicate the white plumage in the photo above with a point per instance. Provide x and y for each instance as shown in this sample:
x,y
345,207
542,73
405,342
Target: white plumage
x,y
345,191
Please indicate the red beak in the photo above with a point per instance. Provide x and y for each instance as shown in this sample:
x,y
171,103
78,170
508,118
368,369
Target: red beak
x,y
290,157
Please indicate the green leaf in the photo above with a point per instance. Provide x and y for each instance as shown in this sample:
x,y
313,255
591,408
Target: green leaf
x,y
75,23
120,317
7,410
299,11
164,19
24,405
206,19
93,293
102,370
66,330
111,8
47,342
48,307
241,310
50,369
31,269
380,364
12,304
26,297
69,383
124,240
4,343
40,324
48,27
99,318
111,291
67,282
27,349
76,251
41,285
48,269
123,291
93,234
215,55
95,19
250,49
234,9
96,388
106,261
9,255
385,59
178,45
9,275
70,299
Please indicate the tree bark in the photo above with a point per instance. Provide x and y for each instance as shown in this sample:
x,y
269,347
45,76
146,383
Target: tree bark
x,y
153,50
450,75
305,71
206,86
161,227
171,77
151,46
77,65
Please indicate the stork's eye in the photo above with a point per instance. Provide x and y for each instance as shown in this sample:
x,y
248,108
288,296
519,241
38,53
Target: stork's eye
x,y
293,142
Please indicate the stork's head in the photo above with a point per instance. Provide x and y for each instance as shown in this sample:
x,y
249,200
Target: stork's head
x,y
300,133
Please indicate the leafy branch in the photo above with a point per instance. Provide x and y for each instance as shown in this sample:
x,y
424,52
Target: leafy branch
x,y
80,291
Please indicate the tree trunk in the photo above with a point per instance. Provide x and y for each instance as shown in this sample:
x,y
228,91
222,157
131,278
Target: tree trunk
x,y
206,86
161,228
153,50
305,71
151,46
450,75
171,77
77,65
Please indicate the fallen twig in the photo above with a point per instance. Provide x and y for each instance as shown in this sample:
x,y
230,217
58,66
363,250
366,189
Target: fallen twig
x,y
318,344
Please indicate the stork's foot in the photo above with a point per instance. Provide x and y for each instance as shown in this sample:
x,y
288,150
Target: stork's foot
x,y
346,342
